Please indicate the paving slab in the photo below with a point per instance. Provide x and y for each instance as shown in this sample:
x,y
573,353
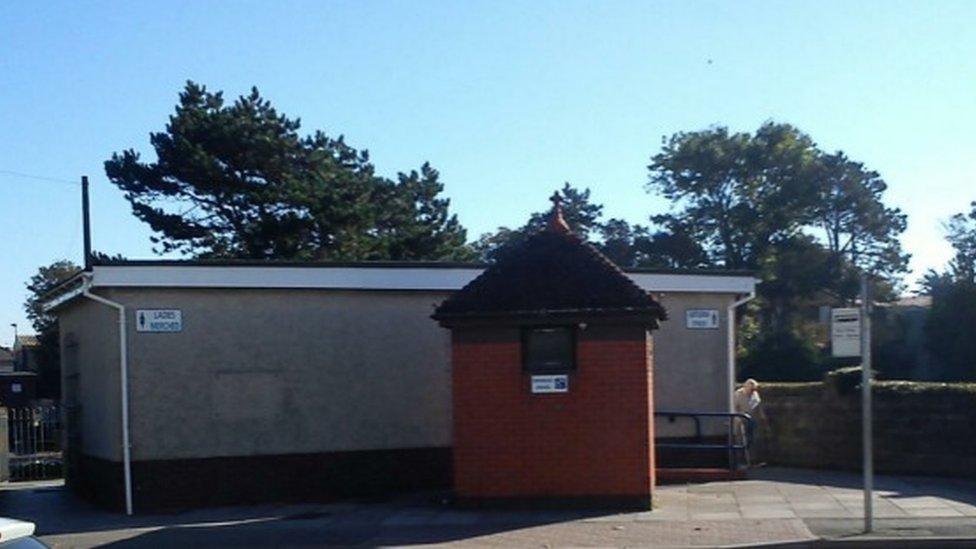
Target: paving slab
x,y
775,506
894,528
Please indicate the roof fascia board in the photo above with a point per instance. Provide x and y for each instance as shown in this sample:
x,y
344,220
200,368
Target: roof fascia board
x,y
352,278
368,278
690,283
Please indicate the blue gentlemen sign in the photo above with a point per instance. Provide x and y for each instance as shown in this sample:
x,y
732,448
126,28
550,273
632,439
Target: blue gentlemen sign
x,y
159,320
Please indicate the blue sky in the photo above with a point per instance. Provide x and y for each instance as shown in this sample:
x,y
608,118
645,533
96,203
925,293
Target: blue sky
x,y
506,99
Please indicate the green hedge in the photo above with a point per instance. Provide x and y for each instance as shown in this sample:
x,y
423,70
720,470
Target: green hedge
x,y
790,389
925,387
848,380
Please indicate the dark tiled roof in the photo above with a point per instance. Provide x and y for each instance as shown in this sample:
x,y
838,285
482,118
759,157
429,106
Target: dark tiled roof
x,y
551,273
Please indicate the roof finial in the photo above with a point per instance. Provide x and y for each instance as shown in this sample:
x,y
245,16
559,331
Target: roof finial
x,y
556,221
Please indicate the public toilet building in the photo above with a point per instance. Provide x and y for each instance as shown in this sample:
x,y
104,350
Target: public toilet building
x,y
236,382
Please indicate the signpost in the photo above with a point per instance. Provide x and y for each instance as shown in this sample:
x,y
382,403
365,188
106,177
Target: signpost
x,y
866,437
845,332
850,336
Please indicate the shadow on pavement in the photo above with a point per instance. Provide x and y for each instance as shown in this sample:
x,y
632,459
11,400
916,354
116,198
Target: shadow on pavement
x,y
960,490
63,519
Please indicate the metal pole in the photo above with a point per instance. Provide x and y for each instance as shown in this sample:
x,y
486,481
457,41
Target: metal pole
x,y
86,221
866,438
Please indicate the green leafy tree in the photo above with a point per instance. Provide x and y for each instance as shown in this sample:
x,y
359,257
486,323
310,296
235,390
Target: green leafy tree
x,y
42,282
627,245
794,274
949,324
805,221
636,246
961,234
737,193
489,246
414,222
582,215
238,180
578,209
948,328
859,229
46,325
782,354
624,243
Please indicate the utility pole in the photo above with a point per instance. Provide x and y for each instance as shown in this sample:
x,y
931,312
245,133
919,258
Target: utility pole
x,y
866,434
86,221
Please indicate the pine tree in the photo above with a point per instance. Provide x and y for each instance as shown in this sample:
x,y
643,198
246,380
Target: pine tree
x,y
239,181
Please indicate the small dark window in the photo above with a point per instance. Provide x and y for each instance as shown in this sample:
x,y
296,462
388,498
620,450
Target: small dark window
x,y
548,349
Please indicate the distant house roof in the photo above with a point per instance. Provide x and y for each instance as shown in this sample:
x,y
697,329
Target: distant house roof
x,y
552,273
914,301
28,340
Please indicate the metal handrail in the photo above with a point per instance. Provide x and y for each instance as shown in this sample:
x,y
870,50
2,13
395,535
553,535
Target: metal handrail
x,y
730,444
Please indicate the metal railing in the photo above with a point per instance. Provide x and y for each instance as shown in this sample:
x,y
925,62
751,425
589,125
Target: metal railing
x,y
737,433
34,438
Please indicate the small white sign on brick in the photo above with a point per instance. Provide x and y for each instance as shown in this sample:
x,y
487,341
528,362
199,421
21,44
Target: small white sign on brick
x,y
550,384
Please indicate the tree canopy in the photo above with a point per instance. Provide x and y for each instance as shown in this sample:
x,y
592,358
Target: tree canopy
x,y
46,325
627,245
239,181
804,220
42,282
743,195
961,234
736,193
953,290
857,226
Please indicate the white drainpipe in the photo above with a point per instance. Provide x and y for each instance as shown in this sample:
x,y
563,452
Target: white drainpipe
x,y
730,326
124,376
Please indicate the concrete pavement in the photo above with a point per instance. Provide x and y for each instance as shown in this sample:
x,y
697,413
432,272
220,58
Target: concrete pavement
x,y
775,506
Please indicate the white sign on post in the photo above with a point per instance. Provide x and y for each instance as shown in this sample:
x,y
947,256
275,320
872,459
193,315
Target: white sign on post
x,y
159,320
845,332
701,319
550,384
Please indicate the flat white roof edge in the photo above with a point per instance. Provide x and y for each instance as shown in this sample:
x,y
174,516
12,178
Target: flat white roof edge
x,y
368,278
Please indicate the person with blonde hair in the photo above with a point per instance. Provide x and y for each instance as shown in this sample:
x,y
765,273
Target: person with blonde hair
x,y
746,400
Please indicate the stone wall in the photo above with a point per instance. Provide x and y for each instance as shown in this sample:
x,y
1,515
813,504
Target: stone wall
x,y
919,428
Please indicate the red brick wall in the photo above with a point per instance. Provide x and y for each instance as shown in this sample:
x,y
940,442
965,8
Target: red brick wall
x,y
594,441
